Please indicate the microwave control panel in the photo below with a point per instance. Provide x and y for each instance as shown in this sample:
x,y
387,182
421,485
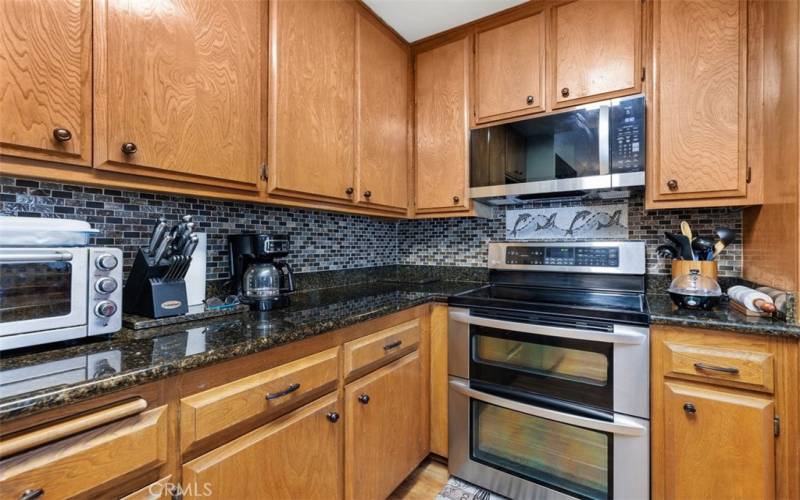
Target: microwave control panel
x,y
627,136
563,256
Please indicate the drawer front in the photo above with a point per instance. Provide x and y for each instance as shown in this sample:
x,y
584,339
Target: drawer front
x,y
742,368
160,490
214,410
90,460
380,347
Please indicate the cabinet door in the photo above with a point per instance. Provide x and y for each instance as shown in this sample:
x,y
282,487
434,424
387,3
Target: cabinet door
x,y
509,69
728,431
596,50
698,116
442,147
382,120
383,432
179,83
296,456
312,92
46,80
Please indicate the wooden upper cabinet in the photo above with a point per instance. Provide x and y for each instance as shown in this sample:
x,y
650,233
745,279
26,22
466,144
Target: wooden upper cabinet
x,y
385,438
442,123
180,83
731,430
510,69
382,115
698,112
312,98
595,50
46,80
296,456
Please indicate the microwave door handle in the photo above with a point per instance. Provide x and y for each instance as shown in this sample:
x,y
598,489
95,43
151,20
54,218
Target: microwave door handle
x,y
620,335
621,425
603,139
37,257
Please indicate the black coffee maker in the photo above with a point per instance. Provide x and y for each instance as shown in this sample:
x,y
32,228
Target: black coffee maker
x,y
259,279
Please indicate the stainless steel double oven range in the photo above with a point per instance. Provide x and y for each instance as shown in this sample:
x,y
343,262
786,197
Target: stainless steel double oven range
x,y
549,364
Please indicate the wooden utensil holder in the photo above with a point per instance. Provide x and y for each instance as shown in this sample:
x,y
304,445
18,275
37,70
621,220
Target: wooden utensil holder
x,y
707,268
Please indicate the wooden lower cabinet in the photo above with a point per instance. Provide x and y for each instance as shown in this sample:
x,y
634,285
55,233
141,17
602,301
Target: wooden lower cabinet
x,y
296,456
384,439
163,489
92,462
729,431
724,408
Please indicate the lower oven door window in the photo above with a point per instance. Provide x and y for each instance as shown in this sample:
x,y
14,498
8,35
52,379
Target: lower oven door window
x,y
563,457
580,371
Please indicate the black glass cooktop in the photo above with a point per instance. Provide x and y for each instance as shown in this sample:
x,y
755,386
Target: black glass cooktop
x,y
626,307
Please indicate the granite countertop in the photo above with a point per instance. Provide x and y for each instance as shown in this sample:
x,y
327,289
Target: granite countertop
x,y
664,312
47,377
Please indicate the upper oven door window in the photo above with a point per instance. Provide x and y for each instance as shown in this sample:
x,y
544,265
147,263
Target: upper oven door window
x,y
578,371
42,289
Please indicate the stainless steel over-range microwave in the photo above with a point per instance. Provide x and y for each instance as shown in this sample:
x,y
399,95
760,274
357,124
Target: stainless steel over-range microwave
x,y
594,147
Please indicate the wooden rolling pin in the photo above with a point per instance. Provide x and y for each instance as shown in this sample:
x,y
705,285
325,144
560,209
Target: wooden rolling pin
x,y
752,299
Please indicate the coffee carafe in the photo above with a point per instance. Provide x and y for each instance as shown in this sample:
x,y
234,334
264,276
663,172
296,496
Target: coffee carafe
x,y
258,278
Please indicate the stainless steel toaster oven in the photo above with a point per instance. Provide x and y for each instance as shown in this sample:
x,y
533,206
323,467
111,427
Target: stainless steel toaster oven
x,y
50,294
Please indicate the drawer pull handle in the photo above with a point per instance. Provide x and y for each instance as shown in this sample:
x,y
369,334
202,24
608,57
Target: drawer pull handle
x,y
689,408
392,345
279,394
713,368
333,417
31,494
363,399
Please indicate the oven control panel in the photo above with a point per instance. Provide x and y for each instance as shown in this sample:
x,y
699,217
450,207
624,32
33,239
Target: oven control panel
x,y
606,257
563,256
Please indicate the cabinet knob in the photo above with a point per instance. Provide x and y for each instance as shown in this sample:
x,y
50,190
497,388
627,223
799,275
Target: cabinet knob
x,y
363,399
62,134
367,194
529,100
333,416
456,199
348,191
565,92
672,184
31,494
689,408
129,148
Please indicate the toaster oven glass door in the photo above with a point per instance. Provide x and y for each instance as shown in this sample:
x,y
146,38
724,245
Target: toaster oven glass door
x,y
42,289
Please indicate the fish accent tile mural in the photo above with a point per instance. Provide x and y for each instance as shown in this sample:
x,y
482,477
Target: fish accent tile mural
x,y
582,222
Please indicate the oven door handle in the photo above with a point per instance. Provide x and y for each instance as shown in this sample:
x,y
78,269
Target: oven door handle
x,y
23,258
621,425
621,334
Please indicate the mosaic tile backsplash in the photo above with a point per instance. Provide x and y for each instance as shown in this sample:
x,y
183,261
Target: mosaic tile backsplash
x,y
320,240
463,241
325,241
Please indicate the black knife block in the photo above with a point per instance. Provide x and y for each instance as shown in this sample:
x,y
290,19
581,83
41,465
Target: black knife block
x,y
146,294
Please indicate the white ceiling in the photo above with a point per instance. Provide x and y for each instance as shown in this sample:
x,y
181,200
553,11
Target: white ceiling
x,y
417,19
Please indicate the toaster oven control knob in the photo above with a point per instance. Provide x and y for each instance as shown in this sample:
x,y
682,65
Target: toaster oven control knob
x,y
105,285
105,309
106,262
